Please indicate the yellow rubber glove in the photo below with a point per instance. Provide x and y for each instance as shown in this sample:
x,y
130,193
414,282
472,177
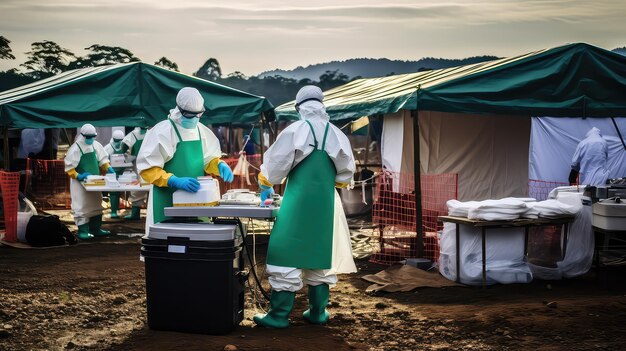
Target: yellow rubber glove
x,y
212,167
72,173
104,167
156,176
263,180
341,185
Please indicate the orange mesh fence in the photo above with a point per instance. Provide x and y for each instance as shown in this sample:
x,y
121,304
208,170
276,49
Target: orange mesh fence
x,y
240,180
47,184
540,189
393,213
10,184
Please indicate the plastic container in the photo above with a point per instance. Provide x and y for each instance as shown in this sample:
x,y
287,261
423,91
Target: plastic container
x,y
609,215
207,195
22,223
194,277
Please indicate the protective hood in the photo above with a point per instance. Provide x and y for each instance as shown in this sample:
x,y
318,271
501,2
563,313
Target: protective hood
x,y
593,132
87,129
313,109
118,134
175,116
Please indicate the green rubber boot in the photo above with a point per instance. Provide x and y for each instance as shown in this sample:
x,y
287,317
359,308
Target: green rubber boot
x,y
281,304
83,232
95,224
318,300
135,213
115,204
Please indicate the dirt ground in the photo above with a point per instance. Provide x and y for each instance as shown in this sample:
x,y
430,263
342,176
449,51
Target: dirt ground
x,y
92,297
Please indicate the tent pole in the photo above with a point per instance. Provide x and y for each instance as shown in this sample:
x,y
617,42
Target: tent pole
x,y
621,138
262,137
419,230
67,136
274,134
367,143
5,136
230,139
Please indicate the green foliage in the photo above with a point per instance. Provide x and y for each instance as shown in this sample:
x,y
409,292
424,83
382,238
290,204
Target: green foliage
x,y
279,89
167,64
5,49
13,79
210,70
47,58
102,55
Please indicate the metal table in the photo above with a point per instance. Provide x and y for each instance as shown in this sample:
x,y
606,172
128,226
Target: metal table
x,y
246,211
516,223
603,245
120,189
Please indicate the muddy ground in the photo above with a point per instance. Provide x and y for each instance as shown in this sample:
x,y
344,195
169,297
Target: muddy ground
x,y
92,297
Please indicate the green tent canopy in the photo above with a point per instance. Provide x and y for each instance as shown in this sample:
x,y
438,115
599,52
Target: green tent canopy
x,y
132,94
574,80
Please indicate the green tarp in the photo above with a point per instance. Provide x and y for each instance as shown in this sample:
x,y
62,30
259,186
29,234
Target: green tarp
x,y
574,80
133,94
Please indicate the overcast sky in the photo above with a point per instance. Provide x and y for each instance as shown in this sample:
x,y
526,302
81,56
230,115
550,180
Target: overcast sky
x,y
252,36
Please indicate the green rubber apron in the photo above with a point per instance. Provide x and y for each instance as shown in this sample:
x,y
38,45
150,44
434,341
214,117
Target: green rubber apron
x,y
88,162
187,162
302,236
118,170
114,196
134,151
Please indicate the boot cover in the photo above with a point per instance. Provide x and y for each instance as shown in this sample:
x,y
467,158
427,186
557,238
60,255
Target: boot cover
x,y
115,204
135,213
94,226
281,304
318,300
83,232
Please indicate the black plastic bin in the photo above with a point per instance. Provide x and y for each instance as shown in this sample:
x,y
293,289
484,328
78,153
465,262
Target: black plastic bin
x,y
194,277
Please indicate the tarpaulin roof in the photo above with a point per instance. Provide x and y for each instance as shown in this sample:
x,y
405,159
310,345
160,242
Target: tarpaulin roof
x,y
131,94
574,80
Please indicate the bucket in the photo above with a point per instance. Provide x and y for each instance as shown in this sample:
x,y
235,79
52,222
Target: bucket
x,y
22,223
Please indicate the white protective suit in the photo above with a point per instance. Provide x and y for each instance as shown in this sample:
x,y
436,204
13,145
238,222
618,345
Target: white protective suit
x,y
109,148
292,146
137,198
85,204
160,143
590,159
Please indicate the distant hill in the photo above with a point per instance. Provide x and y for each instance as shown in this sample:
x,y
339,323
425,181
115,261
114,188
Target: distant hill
x,y
621,51
367,67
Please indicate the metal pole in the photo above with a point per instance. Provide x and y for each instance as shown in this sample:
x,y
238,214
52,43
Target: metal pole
x,y
5,134
231,136
367,143
419,230
262,137
621,138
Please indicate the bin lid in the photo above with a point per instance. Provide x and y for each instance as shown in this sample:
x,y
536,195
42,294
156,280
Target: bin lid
x,y
192,231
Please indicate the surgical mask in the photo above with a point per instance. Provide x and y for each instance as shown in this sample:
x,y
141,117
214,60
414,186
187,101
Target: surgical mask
x,y
89,141
117,143
189,123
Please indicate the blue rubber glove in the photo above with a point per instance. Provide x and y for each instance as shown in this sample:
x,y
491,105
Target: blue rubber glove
x,y
225,172
83,176
110,170
184,183
266,193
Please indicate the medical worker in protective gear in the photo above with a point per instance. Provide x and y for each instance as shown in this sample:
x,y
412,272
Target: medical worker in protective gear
x,y
590,160
115,147
177,151
309,242
132,144
84,158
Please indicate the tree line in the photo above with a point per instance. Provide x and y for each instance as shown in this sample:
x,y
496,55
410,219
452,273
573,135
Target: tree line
x,y
47,58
